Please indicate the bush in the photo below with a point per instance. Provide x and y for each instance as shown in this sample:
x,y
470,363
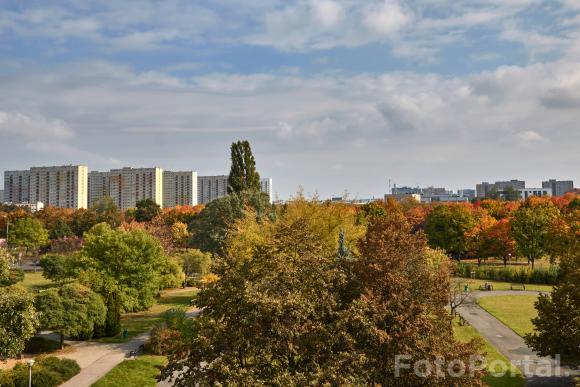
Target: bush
x,y
14,276
48,371
526,275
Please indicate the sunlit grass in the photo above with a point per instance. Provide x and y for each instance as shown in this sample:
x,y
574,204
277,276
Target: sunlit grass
x,y
141,372
514,311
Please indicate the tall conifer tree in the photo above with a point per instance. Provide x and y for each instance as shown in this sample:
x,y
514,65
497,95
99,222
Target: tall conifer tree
x,y
243,174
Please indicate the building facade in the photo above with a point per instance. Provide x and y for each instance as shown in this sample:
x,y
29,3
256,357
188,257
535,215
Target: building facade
x,y
484,189
131,185
99,185
210,188
559,187
179,188
17,186
62,187
266,187
527,192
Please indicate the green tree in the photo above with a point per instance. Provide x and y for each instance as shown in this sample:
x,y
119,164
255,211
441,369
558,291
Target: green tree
x,y
82,221
71,310
446,228
18,320
124,267
243,175
57,267
531,225
196,262
147,209
107,212
61,229
27,233
557,327
511,194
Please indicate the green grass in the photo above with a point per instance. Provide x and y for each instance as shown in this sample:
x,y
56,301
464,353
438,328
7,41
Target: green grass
x,y
137,323
34,281
514,311
498,285
139,372
465,334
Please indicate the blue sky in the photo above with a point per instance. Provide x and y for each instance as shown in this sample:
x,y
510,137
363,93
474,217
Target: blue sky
x,y
334,95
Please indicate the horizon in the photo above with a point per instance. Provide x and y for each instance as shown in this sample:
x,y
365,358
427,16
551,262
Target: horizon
x,y
332,95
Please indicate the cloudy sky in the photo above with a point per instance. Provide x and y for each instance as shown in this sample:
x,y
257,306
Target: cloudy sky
x,y
334,95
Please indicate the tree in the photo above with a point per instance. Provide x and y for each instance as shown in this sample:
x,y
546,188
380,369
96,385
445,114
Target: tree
x,y
147,209
180,234
446,227
196,262
243,175
531,225
60,229
57,267
557,327
27,233
70,310
511,194
18,320
122,266
82,221
107,212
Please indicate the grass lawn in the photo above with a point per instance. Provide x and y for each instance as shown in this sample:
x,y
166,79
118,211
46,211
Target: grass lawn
x,y
498,285
465,334
34,281
514,311
141,371
137,323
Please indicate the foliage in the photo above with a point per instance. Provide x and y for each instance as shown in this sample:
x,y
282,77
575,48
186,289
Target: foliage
x,y
288,312
180,234
57,267
27,233
243,175
531,224
210,228
147,209
558,322
172,275
65,245
82,221
196,262
515,274
172,334
71,310
446,227
18,320
48,371
183,214
61,229
125,267
107,212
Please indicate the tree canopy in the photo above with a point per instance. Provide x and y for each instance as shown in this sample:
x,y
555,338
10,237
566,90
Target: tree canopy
x,y
27,233
243,174
446,227
18,320
147,209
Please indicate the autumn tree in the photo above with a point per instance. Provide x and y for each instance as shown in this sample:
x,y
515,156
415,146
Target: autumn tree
x,y
180,234
71,310
147,209
557,326
446,227
243,174
531,225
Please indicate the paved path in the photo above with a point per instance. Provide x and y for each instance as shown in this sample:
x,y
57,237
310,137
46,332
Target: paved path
x,y
96,359
509,343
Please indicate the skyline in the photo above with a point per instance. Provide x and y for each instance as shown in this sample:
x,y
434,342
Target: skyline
x,y
333,95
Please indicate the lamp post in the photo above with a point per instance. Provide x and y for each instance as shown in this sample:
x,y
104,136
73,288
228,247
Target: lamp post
x,y
30,363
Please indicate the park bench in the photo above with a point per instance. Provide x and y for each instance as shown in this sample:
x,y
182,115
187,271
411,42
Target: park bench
x,y
139,351
518,287
486,286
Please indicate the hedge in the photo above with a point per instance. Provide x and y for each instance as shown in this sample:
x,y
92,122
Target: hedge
x,y
525,275
48,371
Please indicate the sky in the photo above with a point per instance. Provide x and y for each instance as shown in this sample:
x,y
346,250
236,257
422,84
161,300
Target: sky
x,y
334,96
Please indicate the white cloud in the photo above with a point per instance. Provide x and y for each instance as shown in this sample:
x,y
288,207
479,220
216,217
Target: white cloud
x,y
387,18
327,12
34,127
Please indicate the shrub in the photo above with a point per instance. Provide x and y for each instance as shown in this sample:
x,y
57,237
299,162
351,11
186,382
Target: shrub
x,y
48,371
527,275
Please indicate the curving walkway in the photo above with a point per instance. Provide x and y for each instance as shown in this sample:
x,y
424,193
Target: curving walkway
x,y
512,345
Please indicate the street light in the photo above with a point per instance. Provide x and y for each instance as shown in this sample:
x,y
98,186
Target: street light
x,y
30,363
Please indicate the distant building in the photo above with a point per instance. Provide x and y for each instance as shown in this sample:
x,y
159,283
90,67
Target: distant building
x,y
435,191
406,191
401,197
484,189
99,185
63,186
527,192
466,193
131,185
1,196
266,187
559,188
16,186
179,189
444,199
33,207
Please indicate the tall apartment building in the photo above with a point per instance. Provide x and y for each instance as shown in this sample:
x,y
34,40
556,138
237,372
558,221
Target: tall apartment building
x,y
99,185
211,187
558,188
63,186
16,186
214,187
266,187
1,196
179,188
130,185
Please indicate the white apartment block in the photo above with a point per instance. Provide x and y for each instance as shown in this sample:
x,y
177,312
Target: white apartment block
x,y
266,187
527,192
62,186
16,186
179,189
99,185
130,185
210,188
